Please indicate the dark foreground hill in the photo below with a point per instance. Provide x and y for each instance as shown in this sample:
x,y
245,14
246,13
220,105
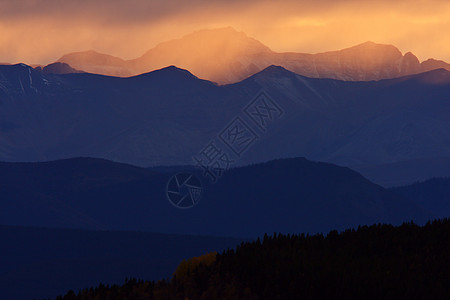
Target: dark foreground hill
x,y
376,262
37,263
286,195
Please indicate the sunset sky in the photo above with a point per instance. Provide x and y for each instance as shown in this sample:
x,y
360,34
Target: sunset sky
x,y
41,31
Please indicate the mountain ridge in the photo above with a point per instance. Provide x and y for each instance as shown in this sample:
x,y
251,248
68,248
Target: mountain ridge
x,y
145,121
225,55
291,195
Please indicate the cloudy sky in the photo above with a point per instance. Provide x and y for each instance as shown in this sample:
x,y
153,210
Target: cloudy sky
x,y
41,31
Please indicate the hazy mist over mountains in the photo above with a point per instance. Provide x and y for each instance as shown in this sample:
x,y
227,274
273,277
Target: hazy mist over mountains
x,y
227,56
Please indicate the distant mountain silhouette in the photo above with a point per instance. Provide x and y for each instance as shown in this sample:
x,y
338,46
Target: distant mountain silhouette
x,y
405,172
209,54
433,194
57,68
40,263
94,62
226,56
290,195
433,64
167,116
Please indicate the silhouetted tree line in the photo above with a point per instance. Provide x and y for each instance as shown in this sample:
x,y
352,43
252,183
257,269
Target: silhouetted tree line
x,y
372,262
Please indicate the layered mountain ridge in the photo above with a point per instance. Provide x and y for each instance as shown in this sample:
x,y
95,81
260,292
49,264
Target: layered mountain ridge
x,y
286,195
227,56
146,121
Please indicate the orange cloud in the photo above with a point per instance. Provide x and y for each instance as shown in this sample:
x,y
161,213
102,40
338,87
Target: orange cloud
x,y
40,31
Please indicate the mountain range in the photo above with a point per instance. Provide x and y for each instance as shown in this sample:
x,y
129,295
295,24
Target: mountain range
x,y
225,56
87,144
288,195
276,142
168,116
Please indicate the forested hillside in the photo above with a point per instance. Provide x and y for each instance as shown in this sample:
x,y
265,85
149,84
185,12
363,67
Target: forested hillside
x,y
376,262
